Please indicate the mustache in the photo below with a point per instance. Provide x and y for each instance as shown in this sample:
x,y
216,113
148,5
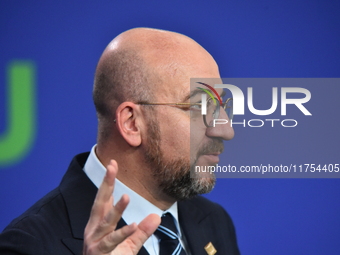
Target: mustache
x,y
212,147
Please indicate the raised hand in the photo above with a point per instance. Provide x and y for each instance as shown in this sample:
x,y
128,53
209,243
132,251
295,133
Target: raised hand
x,y
101,236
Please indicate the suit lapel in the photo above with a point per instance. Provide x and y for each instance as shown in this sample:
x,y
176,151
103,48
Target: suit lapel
x,y
79,193
194,226
74,245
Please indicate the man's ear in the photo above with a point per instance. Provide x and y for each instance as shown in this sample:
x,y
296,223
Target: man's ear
x,y
128,123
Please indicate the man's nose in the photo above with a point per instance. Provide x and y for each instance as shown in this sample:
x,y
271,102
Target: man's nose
x,y
222,127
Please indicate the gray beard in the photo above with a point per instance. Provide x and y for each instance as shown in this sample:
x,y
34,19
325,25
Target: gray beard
x,y
173,176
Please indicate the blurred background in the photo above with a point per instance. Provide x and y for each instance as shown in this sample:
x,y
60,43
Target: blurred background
x,y
48,54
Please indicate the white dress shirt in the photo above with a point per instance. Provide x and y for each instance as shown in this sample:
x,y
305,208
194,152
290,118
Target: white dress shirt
x,y
138,208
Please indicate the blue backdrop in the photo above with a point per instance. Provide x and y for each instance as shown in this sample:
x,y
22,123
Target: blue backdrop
x,y
54,47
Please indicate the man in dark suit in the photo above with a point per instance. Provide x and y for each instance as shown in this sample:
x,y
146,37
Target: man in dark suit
x,y
145,107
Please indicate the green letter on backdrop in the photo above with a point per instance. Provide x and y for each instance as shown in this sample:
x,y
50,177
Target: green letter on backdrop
x,y
19,134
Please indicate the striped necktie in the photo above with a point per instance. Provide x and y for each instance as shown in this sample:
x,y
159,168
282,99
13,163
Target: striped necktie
x,y
168,236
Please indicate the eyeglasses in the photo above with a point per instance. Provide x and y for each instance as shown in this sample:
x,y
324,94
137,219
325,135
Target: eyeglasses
x,y
213,109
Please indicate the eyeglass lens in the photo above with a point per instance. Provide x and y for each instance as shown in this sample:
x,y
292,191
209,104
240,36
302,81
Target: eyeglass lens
x,y
214,108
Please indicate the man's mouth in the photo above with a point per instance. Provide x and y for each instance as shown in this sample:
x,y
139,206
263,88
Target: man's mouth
x,y
211,158
209,154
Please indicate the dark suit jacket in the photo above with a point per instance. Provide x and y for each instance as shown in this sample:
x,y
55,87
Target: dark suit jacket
x,y
56,223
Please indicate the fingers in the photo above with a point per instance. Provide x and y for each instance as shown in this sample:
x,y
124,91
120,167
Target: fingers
x,y
145,229
149,224
107,186
100,236
104,201
116,212
111,241
130,237
110,220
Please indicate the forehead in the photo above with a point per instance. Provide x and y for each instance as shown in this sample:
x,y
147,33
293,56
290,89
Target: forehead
x,y
186,91
205,85
178,69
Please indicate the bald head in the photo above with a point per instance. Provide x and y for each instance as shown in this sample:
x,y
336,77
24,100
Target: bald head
x,y
138,63
156,47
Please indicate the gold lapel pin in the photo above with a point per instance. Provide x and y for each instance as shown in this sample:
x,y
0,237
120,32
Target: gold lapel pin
x,y
210,249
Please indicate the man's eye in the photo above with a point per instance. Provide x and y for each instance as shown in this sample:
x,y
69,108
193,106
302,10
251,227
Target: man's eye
x,y
211,102
196,107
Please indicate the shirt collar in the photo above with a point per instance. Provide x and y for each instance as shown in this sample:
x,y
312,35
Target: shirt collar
x,y
138,207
